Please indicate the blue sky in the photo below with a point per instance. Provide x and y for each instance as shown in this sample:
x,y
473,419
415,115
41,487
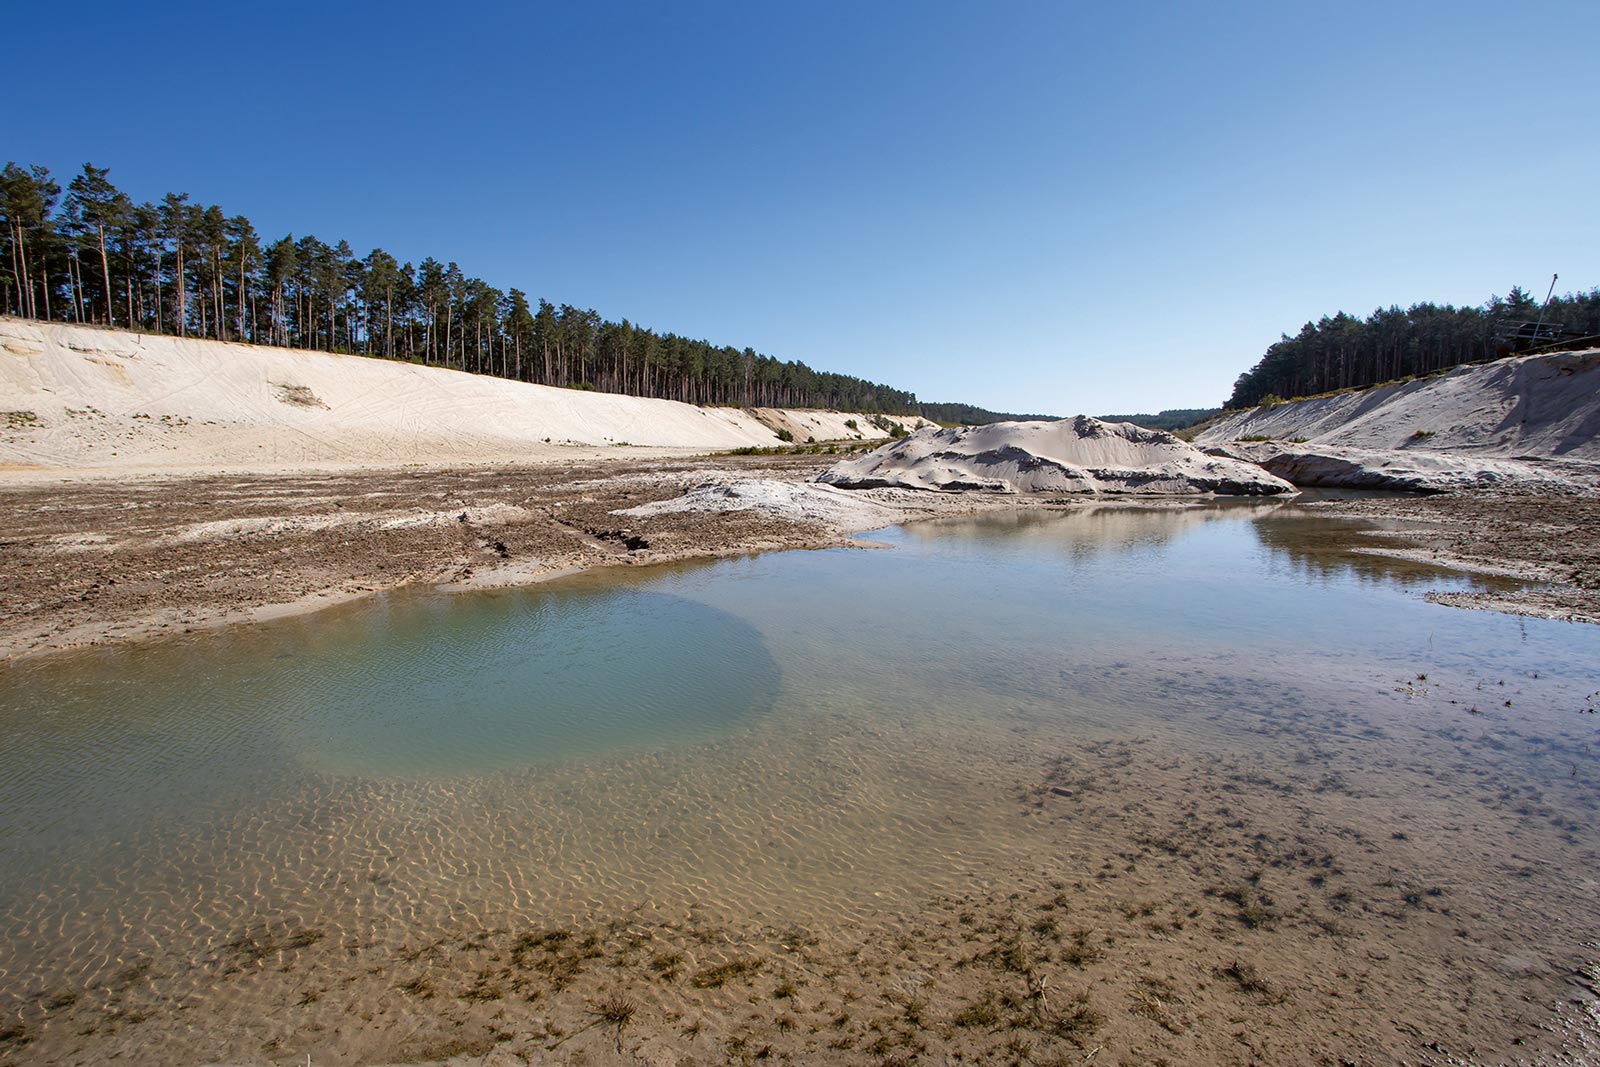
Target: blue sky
x,y
1032,207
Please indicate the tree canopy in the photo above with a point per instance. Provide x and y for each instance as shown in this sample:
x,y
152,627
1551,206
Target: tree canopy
x,y
971,415
175,267
1344,352
1170,419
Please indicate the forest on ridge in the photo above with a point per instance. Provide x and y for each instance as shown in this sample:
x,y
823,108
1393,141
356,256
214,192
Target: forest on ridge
x,y
1344,352
90,254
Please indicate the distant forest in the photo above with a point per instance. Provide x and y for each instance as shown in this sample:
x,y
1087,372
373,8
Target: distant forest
x,y
94,256
1170,419
969,415
1345,352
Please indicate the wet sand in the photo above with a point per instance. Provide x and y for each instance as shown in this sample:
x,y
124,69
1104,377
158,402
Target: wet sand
x,y
91,562
1546,539
95,562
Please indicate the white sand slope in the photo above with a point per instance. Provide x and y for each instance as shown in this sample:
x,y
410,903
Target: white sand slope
x,y
1079,455
1528,406
1529,422
1342,467
75,397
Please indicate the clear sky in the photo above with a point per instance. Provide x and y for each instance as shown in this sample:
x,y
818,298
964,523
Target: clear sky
x,y
1049,207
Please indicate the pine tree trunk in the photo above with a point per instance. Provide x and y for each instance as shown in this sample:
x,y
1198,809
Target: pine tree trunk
x,y
183,311
105,274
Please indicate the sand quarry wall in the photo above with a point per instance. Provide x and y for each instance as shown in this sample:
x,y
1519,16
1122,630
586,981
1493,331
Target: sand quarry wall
x,y
82,397
1536,406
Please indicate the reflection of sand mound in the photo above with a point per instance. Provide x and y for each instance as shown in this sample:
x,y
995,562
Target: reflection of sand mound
x,y
1080,455
1089,530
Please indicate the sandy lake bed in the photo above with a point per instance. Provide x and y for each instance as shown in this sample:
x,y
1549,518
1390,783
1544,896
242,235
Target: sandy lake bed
x,y
1321,821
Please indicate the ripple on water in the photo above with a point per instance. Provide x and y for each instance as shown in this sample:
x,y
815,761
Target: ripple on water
x,y
828,738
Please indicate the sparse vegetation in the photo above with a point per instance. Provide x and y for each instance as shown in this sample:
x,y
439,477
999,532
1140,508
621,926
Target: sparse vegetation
x,y
719,975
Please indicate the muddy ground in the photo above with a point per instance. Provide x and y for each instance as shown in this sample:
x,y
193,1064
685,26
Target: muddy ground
x,y
1550,540
92,562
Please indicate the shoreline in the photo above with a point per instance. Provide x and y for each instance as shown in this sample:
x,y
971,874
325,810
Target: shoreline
x,y
1543,540
117,561
98,562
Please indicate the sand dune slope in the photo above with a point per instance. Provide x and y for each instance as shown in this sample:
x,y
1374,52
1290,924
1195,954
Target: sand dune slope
x,y
1531,422
76,397
1529,406
1079,455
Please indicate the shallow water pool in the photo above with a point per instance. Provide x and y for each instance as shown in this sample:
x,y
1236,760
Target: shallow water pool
x,y
831,737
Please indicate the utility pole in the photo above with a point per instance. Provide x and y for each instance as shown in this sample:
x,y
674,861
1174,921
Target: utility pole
x,y
1542,307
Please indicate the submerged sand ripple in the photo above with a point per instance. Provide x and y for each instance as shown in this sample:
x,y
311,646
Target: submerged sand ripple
x,y
1368,878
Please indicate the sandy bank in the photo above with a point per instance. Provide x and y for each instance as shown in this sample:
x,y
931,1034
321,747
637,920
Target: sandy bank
x,y
1410,470
91,400
1528,422
123,559
1528,406
119,560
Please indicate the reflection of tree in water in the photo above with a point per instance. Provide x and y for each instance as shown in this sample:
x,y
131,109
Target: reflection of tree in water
x,y
1091,529
1326,549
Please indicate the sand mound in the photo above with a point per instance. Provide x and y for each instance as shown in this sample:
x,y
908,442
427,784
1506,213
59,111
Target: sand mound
x,y
78,397
837,509
1411,471
1529,406
1081,455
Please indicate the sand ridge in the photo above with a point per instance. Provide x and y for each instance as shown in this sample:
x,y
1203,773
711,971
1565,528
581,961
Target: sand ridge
x,y
1525,406
1526,423
85,399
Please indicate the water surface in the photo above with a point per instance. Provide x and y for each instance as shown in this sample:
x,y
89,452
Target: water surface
x,y
833,737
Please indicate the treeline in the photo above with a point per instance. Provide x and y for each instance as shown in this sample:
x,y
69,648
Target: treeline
x,y
94,256
1170,419
969,415
1345,352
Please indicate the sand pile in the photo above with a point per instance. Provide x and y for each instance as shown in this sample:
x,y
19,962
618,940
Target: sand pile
x,y
1409,470
77,397
1528,421
840,510
1080,455
1527,408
